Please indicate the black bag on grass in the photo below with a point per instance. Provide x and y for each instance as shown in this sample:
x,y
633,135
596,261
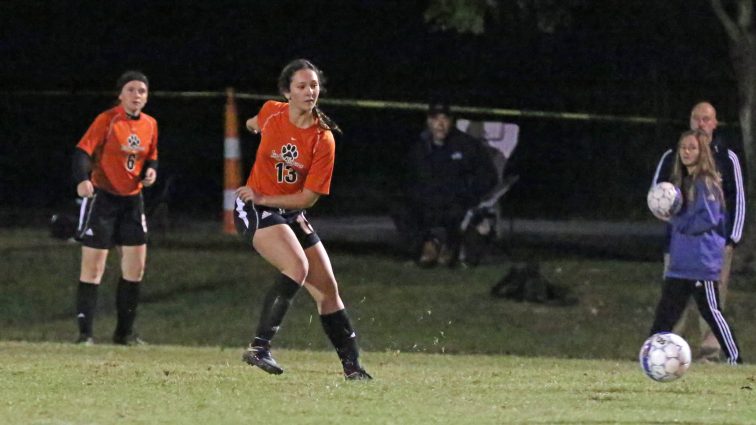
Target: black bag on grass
x,y
525,283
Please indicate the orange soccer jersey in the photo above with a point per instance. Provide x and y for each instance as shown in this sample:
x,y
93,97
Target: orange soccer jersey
x,y
289,158
119,146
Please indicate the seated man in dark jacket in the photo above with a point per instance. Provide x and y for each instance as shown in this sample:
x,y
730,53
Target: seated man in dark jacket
x,y
450,172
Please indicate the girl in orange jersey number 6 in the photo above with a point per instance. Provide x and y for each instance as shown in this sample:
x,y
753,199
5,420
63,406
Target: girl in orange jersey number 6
x,y
112,162
292,169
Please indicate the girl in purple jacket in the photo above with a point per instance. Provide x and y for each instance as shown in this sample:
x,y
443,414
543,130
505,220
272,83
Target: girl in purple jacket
x,y
697,243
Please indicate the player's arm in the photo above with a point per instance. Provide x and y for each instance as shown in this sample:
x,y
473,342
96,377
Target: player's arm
x,y
83,154
664,167
252,125
736,197
300,200
149,171
81,167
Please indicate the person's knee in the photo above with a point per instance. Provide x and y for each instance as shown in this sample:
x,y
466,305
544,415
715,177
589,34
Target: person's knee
x,y
133,265
329,300
92,273
324,293
297,270
133,273
331,291
93,264
133,270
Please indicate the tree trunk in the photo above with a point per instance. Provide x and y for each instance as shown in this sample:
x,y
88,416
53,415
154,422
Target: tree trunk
x,y
739,26
743,56
744,61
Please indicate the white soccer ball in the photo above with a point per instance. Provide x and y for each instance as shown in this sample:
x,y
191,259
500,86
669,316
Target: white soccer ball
x,y
665,357
664,200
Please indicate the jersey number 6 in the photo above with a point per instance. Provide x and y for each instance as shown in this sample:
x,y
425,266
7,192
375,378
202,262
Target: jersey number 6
x,y
130,161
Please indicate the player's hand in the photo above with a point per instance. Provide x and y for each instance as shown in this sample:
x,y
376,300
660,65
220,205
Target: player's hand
x,y
246,194
85,189
663,217
251,125
150,175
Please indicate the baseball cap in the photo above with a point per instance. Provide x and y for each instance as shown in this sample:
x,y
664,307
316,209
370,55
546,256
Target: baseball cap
x,y
438,108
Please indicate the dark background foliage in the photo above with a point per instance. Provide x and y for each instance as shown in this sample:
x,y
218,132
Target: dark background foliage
x,y
621,58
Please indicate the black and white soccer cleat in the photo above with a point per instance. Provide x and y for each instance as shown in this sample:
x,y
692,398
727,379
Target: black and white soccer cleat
x,y
260,357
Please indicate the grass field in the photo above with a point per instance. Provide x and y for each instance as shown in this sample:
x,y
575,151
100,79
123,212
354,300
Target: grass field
x,y
441,349
46,383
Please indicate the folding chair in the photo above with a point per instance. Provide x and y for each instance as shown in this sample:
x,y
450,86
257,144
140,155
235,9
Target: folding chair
x,y
502,140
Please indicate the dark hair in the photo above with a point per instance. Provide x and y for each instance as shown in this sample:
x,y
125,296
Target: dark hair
x,y
284,82
131,76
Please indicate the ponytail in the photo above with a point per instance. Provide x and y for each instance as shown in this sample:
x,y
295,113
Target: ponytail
x,y
324,121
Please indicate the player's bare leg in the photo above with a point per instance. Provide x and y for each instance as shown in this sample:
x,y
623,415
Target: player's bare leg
x,y
279,246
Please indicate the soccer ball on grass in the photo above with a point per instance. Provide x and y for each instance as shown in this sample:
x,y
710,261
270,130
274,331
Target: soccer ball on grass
x,y
665,357
664,200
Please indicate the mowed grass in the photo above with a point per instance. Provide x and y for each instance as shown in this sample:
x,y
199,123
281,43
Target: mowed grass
x,y
48,383
441,349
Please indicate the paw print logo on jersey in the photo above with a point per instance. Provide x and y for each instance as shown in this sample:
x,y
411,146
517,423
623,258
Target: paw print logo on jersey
x,y
133,141
289,153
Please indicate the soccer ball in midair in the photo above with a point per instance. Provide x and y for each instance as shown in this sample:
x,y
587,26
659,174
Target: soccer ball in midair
x,y
664,357
664,200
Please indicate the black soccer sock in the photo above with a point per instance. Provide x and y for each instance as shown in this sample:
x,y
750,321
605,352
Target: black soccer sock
x,y
341,333
127,299
275,305
86,303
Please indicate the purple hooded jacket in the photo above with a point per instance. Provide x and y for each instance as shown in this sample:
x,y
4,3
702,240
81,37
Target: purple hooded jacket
x,y
697,245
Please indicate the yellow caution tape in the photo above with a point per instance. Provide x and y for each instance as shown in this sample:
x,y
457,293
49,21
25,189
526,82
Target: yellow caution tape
x,y
376,104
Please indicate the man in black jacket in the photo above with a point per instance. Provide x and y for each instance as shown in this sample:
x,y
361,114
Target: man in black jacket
x,y
703,116
450,172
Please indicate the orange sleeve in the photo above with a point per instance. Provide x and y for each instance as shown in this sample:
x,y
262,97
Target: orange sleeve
x,y
321,170
95,135
266,111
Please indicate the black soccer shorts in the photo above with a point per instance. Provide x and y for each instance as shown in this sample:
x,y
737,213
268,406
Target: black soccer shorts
x,y
106,220
249,217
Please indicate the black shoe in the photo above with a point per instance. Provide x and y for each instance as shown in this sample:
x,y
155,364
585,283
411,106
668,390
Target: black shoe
x,y
85,340
356,373
260,357
128,340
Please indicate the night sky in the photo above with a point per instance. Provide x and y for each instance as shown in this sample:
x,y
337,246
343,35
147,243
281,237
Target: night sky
x,y
369,49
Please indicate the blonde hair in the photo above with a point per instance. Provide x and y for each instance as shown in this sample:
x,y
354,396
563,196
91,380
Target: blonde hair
x,y
706,168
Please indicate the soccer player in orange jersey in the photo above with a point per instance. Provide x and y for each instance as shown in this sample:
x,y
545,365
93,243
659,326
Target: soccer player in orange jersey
x,y
292,169
113,161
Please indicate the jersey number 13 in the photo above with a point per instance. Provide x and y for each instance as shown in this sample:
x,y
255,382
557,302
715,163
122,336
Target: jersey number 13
x,y
285,173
